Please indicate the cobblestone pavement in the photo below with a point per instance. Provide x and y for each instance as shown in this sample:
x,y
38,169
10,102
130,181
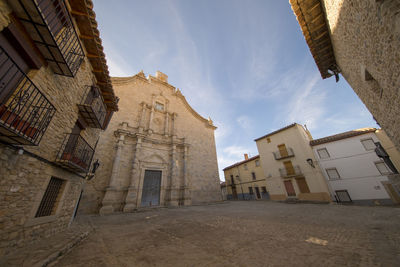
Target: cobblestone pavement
x,y
252,233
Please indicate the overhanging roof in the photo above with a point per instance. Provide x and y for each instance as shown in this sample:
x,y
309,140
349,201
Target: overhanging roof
x,y
82,11
311,17
341,136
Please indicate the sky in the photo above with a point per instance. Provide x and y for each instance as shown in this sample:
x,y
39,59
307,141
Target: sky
x,y
244,63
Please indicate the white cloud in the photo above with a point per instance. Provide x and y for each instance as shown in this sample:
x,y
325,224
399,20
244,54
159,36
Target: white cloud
x,y
306,106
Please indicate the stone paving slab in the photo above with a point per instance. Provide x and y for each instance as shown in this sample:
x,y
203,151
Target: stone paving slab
x,y
251,233
48,250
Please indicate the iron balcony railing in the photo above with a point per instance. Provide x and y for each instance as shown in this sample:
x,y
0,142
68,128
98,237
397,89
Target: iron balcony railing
x,y
288,172
49,25
283,154
25,112
92,108
75,154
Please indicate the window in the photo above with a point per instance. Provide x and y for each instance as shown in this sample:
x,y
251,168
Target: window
x,y
245,167
333,174
232,181
253,174
268,140
159,106
257,163
251,190
51,198
368,144
263,189
382,168
323,153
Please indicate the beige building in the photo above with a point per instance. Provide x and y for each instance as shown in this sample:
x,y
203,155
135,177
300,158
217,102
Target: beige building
x,y
289,165
55,98
361,40
157,151
246,180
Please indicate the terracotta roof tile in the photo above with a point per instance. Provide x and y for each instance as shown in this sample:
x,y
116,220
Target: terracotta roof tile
x,y
341,136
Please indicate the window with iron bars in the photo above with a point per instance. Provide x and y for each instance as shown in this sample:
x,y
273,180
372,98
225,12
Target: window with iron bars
x,y
51,197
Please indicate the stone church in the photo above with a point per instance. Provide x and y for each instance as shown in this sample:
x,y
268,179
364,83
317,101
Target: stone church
x,y
156,151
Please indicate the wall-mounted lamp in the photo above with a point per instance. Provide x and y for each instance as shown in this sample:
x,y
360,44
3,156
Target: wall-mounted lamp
x,y
310,161
96,164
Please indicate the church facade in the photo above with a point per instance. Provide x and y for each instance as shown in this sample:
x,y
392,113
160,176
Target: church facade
x,y
157,151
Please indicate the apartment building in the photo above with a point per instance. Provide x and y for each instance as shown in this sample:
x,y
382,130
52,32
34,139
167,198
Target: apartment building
x,y
245,180
55,99
289,165
354,171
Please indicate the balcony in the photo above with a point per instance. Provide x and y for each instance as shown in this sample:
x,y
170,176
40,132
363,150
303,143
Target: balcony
x,y
49,25
290,172
93,109
75,154
282,154
25,112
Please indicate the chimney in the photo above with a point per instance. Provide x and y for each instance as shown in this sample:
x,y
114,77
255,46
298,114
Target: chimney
x,y
161,76
246,156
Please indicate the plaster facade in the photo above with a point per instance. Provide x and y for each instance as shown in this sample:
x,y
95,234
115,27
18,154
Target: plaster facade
x,y
356,167
155,130
246,180
285,155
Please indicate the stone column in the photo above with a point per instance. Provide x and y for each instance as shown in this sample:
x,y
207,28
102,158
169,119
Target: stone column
x,y
111,197
166,132
174,182
151,115
142,117
187,200
131,197
173,117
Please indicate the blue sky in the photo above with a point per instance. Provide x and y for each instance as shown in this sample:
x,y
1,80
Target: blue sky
x,y
243,63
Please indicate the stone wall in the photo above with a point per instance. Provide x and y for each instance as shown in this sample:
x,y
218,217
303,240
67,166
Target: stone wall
x,y
176,140
24,178
366,40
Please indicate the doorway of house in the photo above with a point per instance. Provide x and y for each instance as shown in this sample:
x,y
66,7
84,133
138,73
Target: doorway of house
x,y
234,193
258,192
151,188
289,188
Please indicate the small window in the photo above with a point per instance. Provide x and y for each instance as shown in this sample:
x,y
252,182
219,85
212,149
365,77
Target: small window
x,y
159,106
251,190
51,198
245,167
257,163
263,189
268,140
253,174
333,174
323,153
382,168
368,144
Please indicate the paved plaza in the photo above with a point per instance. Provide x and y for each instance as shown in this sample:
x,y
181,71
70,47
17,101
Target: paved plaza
x,y
243,233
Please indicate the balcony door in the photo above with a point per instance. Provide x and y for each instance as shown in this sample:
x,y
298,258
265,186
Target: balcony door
x,y
10,75
289,188
289,167
282,150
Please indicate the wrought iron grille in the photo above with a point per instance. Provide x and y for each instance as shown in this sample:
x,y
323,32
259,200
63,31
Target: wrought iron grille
x,y
290,171
51,196
75,153
50,26
93,109
284,154
25,112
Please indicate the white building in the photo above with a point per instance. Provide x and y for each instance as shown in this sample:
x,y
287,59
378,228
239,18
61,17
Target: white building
x,y
352,168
